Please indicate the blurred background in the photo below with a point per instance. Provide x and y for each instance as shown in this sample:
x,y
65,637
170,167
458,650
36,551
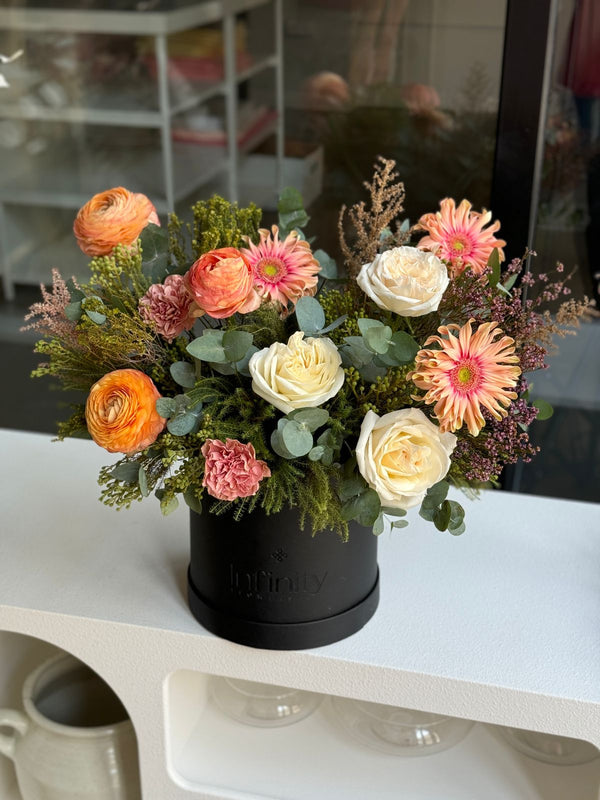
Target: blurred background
x,y
493,100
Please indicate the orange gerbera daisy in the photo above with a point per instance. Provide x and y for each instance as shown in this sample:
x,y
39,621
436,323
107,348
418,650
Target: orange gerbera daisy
x,y
459,236
471,370
284,270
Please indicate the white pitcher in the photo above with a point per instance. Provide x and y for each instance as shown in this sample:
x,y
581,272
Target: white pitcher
x,y
74,741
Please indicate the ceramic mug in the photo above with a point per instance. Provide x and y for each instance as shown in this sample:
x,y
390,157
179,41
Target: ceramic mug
x,y
74,741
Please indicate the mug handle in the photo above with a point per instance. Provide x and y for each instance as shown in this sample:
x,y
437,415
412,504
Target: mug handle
x,y
11,719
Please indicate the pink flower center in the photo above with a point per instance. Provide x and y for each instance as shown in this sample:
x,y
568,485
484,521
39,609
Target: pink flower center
x,y
465,376
460,245
270,269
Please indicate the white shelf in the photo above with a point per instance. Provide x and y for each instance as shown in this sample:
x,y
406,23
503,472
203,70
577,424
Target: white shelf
x,y
134,23
499,625
272,763
254,69
62,254
106,111
62,183
168,173
126,108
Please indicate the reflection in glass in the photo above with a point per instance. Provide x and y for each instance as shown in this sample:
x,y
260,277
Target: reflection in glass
x,y
568,231
398,731
380,84
559,750
261,704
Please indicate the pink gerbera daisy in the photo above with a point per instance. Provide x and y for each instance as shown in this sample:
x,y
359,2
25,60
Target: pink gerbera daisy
x,y
284,270
470,370
459,236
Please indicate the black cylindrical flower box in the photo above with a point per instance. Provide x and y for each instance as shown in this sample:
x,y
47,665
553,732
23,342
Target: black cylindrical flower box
x,y
265,583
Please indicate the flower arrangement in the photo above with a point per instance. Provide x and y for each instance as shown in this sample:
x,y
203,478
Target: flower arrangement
x,y
235,369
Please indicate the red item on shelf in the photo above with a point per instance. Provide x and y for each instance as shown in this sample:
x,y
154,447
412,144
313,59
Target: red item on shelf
x,y
219,138
198,69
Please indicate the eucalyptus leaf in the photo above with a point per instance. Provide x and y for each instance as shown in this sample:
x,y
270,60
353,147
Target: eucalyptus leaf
x,y
290,200
427,512
96,317
223,369
143,482
457,515
192,501
352,486
437,493
393,512
182,424
327,457
327,264
370,372
399,523
293,219
75,293
545,410
441,516
236,345
355,353
127,472
242,365
458,531
510,281
313,418
365,324
182,403
296,438
183,373
317,453
208,347
494,263
73,311
310,315
327,438
402,350
165,406
364,508
379,525
378,339
279,447
335,324
154,242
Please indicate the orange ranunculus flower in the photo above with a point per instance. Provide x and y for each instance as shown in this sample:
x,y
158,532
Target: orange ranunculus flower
x,y
222,283
121,411
114,217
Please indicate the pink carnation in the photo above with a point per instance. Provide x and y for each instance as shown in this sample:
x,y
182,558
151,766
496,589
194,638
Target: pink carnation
x,y
167,306
232,469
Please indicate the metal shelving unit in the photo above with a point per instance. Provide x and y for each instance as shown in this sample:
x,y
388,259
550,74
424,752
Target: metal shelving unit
x,y
167,176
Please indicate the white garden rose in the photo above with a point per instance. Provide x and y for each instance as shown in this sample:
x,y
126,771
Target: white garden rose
x,y
405,280
303,373
402,454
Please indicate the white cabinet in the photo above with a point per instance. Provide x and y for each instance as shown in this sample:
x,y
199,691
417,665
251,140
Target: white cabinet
x,y
499,625
40,191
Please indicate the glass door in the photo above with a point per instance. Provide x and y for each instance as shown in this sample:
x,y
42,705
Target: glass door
x,y
418,82
565,226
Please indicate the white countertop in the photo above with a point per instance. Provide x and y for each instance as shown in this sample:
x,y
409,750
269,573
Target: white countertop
x,y
501,624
